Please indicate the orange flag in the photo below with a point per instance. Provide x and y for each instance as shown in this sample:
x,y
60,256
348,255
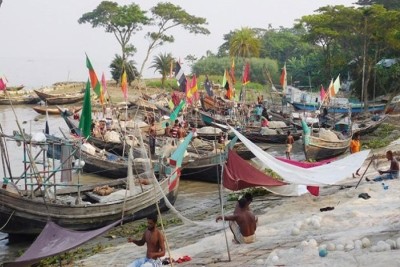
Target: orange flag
x,y
246,74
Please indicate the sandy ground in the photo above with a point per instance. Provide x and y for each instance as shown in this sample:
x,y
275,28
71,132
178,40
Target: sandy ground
x,y
291,231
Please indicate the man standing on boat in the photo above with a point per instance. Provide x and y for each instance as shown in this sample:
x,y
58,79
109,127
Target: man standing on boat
x,y
155,244
289,144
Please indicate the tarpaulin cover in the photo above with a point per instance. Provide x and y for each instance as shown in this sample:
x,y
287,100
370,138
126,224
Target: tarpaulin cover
x,y
327,174
54,240
238,174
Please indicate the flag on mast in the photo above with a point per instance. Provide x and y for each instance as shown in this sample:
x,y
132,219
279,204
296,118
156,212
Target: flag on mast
x,y
246,74
3,85
180,77
85,122
283,79
232,71
124,85
96,86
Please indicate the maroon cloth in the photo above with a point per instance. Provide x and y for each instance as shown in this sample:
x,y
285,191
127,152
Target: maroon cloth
x,y
307,164
54,240
238,174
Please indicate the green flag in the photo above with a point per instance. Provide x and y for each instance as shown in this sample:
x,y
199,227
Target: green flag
x,y
175,113
85,122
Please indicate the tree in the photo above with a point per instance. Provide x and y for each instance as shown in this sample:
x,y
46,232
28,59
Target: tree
x,y
167,16
117,66
360,36
122,21
162,64
388,4
244,43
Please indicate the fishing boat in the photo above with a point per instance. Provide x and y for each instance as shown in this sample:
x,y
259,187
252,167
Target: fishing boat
x,y
19,100
15,88
55,110
362,126
107,164
29,201
323,144
205,166
59,99
273,136
354,107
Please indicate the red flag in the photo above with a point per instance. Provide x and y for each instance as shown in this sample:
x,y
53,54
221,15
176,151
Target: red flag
x,y
2,85
322,93
283,79
246,74
124,85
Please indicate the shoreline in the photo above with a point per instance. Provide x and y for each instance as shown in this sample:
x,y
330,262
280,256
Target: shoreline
x,y
277,217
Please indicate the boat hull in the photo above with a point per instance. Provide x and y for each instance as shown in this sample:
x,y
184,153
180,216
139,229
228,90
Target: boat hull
x,y
319,149
373,108
22,216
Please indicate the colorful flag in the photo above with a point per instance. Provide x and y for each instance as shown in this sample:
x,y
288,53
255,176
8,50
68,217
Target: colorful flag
x,y
232,71
96,86
85,122
180,77
208,86
322,93
192,87
228,85
124,85
283,79
2,85
336,84
175,113
246,74
331,90
104,83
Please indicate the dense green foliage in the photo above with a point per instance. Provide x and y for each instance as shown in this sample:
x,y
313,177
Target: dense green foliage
x,y
117,66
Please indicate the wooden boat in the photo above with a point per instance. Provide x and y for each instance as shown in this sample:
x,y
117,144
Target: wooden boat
x,y
362,126
209,119
279,137
55,110
113,147
19,100
15,88
59,99
355,107
206,165
319,148
77,206
106,164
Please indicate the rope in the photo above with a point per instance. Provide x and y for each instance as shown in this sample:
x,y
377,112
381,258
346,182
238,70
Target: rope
x,y
7,220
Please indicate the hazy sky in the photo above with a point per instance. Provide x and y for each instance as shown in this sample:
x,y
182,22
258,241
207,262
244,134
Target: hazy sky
x,y
42,42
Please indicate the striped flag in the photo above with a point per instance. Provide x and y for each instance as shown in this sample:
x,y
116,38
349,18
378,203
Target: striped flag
x,y
96,86
192,87
180,77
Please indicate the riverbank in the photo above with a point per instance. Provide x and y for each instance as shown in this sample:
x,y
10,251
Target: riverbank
x,y
291,230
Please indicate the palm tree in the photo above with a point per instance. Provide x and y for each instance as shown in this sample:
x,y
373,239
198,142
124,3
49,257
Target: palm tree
x,y
244,43
117,66
162,64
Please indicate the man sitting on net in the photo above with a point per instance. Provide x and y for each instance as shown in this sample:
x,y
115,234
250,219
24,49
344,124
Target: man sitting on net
x,y
243,223
391,173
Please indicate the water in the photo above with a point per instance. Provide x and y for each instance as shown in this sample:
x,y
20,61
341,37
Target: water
x,y
32,122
